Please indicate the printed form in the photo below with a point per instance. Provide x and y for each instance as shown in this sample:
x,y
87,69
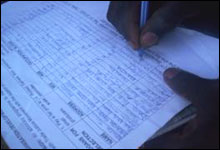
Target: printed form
x,y
69,80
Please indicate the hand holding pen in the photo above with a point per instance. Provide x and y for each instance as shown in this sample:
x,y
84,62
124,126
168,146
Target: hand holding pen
x,y
161,17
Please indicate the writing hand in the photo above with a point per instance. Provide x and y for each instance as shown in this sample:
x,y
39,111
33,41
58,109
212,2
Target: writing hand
x,y
125,16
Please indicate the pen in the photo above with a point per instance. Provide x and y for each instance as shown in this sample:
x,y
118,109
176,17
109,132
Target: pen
x,y
143,18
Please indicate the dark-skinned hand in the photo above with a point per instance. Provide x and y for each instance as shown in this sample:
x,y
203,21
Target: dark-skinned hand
x,y
203,131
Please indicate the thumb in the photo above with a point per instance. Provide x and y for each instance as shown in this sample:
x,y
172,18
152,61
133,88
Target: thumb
x,y
187,85
162,21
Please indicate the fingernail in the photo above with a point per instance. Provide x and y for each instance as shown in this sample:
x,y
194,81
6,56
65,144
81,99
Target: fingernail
x,y
133,45
149,39
170,73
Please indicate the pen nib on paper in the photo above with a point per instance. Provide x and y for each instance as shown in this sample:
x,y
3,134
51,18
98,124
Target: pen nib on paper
x,y
141,54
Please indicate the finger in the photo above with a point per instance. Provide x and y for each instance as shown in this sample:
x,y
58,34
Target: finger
x,y
124,16
131,33
133,30
129,24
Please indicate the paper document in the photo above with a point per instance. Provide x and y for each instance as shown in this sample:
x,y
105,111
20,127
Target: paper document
x,y
69,80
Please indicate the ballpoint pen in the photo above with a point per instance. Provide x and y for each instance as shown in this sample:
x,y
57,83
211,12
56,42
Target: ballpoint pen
x,y
143,18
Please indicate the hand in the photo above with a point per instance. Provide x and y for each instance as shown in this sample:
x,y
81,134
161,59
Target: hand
x,y
125,16
202,132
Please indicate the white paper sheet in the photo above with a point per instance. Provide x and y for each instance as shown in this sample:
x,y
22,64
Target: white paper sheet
x,y
69,80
